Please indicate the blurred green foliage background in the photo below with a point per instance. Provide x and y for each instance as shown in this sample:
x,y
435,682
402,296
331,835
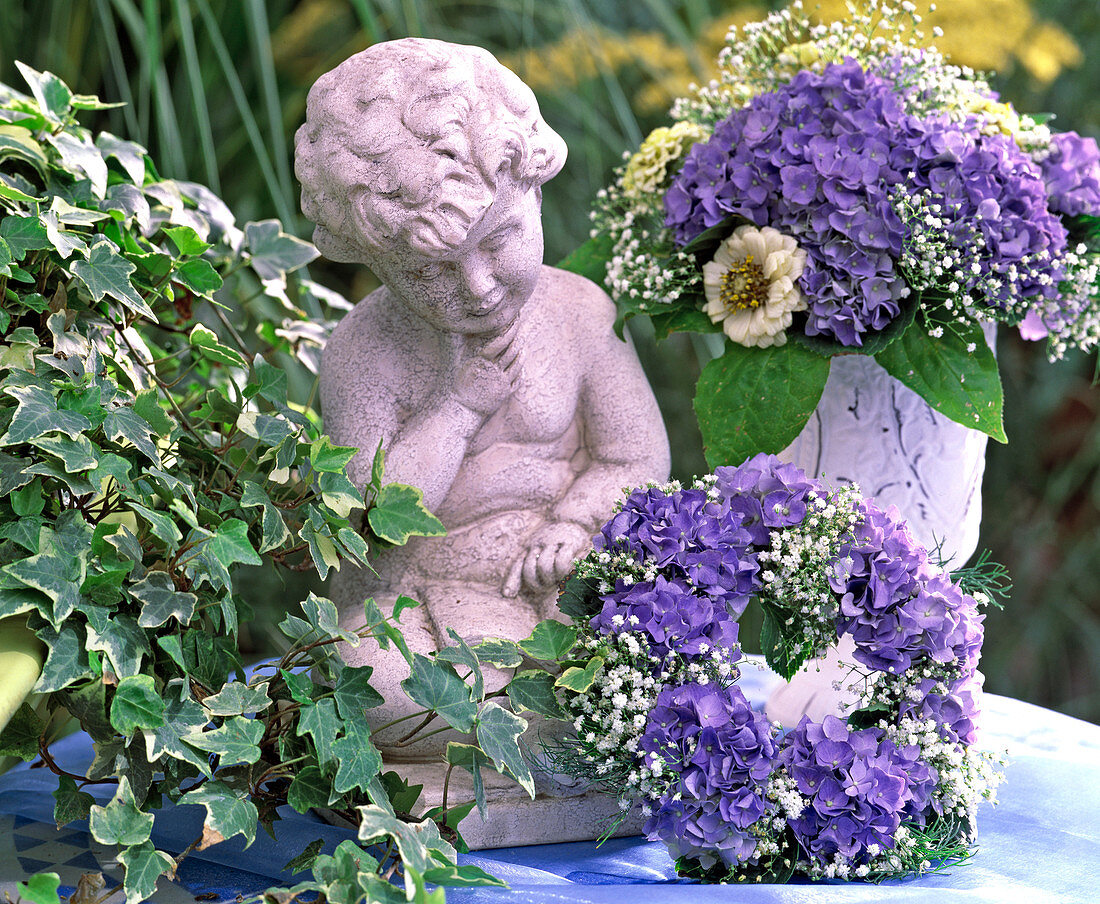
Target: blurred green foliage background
x,y
216,88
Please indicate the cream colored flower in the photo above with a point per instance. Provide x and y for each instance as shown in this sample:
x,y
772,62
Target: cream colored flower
x,y
648,169
750,285
999,117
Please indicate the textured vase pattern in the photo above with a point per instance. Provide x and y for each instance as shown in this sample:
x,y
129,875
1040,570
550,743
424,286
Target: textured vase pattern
x,y
870,430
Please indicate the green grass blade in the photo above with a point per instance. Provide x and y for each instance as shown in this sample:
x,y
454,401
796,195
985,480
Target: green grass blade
x,y
192,69
260,32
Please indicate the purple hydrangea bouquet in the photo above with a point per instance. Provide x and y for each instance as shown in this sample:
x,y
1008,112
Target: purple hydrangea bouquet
x,y
843,189
659,720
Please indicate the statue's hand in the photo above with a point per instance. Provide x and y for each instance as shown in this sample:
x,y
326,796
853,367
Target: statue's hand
x,y
488,375
548,557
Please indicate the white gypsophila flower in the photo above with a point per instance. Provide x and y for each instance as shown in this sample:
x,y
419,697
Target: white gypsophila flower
x,y
750,285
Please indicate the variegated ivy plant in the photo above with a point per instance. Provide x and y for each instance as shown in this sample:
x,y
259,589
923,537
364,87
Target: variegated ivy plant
x,y
147,452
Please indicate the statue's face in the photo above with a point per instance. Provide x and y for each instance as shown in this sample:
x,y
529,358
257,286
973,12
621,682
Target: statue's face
x,y
481,284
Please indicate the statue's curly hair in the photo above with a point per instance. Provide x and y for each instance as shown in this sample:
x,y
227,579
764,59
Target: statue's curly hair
x,y
407,142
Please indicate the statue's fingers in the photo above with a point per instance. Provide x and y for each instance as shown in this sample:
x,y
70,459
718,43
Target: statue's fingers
x,y
512,581
563,561
548,565
499,345
530,567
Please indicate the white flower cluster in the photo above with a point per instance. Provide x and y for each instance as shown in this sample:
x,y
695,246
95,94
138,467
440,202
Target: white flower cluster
x,y
610,717
1080,293
794,571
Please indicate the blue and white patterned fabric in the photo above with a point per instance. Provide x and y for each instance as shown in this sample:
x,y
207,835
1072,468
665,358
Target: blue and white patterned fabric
x,y
1040,844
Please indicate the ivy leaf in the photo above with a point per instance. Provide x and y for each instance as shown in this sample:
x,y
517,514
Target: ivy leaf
x,y
305,859
497,651
160,600
147,407
37,413
125,423
39,889
461,654
123,641
498,733
958,382
471,758
20,736
230,544
754,400
144,866
324,456
273,252
79,155
272,526
534,690
300,686
160,524
353,692
435,685
206,341
399,513
237,698
120,822
77,454
23,234
580,679
322,614
550,640
416,842
72,803
55,574
465,876
52,94
182,717
107,272
234,742
131,158
67,660
360,761
227,813
309,789
136,705
319,721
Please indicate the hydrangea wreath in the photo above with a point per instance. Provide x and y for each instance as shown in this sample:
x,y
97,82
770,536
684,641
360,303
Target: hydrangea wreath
x,y
844,189
661,722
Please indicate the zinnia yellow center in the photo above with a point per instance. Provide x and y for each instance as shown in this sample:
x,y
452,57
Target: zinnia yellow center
x,y
743,286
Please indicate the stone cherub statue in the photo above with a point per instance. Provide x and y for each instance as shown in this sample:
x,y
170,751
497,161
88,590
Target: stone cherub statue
x,y
496,383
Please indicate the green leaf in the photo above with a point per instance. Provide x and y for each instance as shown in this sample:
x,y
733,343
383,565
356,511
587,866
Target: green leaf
x,y
199,276
72,803
160,600
399,513
958,381
471,758
498,734
435,685
238,698
550,640
579,597
67,660
227,813
309,789
579,679
305,859
234,742
20,736
300,686
79,155
461,654
39,889
120,822
182,717
23,234
415,841
52,94
681,320
77,454
186,240
273,252
137,705
88,703
124,642
497,651
465,876
55,574
534,690
160,524
144,865
319,721
590,259
147,407
873,342
353,692
29,501
37,413
206,341
125,423
784,657
230,544
322,614
107,272
272,525
324,456
754,400
131,157
360,762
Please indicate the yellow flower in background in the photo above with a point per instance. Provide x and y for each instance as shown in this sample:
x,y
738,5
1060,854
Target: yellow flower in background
x,y
1000,117
648,169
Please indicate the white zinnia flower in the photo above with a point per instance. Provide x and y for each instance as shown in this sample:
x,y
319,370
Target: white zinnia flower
x,y
750,285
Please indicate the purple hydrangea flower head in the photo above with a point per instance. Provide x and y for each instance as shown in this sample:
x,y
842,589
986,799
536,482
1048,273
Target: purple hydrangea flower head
x,y
767,493
720,753
858,787
818,158
955,708
1071,172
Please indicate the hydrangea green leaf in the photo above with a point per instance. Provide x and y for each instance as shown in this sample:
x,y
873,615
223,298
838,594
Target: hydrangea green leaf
x,y
226,813
550,640
360,762
234,742
137,705
590,258
107,273
399,513
754,400
120,822
956,374
144,866
498,734
274,252
435,685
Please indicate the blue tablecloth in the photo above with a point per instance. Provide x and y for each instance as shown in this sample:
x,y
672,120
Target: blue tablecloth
x,y
1041,843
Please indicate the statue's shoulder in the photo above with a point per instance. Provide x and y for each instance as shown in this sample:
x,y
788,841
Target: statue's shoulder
x,y
573,295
